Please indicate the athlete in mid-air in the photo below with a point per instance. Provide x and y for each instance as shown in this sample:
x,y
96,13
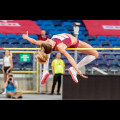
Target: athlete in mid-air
x,y
61,42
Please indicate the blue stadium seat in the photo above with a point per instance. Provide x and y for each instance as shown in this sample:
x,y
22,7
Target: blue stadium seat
x,y
2,36
57,23
82,56
106,51
48,28
118,63
113,65
118,57
112,62
34,37
113,68
80,33
1,55
107,46
28,46
69,28
43,27
101,38
7,46
93,62
47,23
61,28
103,43
115,43
116,46
21,45
85,33
4,41
82,29
101,62
81,37
19,36
1,45
95,43
112,38
11,36
90,66
109,57
117,51
14,41
25,42
39,22
17,45
103,67
97,46
68,32
66,24
53,32
100,57
89,38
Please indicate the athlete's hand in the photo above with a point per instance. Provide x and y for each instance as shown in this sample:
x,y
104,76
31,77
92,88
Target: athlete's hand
x,y
25,36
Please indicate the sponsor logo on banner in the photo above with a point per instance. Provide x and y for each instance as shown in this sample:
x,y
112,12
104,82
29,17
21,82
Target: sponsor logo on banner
x,y
111,27
5,23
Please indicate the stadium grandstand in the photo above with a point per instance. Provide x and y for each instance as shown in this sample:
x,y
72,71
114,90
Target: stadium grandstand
x,y
90,31
53,27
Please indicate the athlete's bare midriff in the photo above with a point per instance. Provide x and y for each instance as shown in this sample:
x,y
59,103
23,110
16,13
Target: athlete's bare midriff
x,y
73,39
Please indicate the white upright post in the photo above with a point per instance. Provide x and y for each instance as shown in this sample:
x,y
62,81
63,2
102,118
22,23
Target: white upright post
x,y
76,33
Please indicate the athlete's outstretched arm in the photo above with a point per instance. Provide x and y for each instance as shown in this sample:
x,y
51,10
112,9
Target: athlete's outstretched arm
x,y
71,60
25,36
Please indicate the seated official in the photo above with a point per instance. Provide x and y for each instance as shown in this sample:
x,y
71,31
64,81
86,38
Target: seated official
x,y
11,88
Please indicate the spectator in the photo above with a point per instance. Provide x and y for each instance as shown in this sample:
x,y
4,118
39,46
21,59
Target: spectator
x,y
11,87
57,70
7,65
43,36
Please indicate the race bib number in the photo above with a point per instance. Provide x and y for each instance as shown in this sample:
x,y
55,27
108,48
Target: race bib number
x,y
60,36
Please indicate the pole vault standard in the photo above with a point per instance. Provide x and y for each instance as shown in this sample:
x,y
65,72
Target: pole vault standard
x,y
66,49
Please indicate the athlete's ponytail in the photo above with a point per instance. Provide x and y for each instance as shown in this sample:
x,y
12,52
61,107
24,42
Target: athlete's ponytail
x,y
41,56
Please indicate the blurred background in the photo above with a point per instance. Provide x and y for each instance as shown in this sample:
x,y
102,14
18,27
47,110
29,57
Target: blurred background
x,y
98,33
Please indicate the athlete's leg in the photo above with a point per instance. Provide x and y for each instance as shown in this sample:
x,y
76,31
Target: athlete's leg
x,y
46,65
88,52
45,72
91,54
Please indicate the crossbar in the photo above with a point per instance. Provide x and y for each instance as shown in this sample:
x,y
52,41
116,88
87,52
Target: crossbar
x,y
66,49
